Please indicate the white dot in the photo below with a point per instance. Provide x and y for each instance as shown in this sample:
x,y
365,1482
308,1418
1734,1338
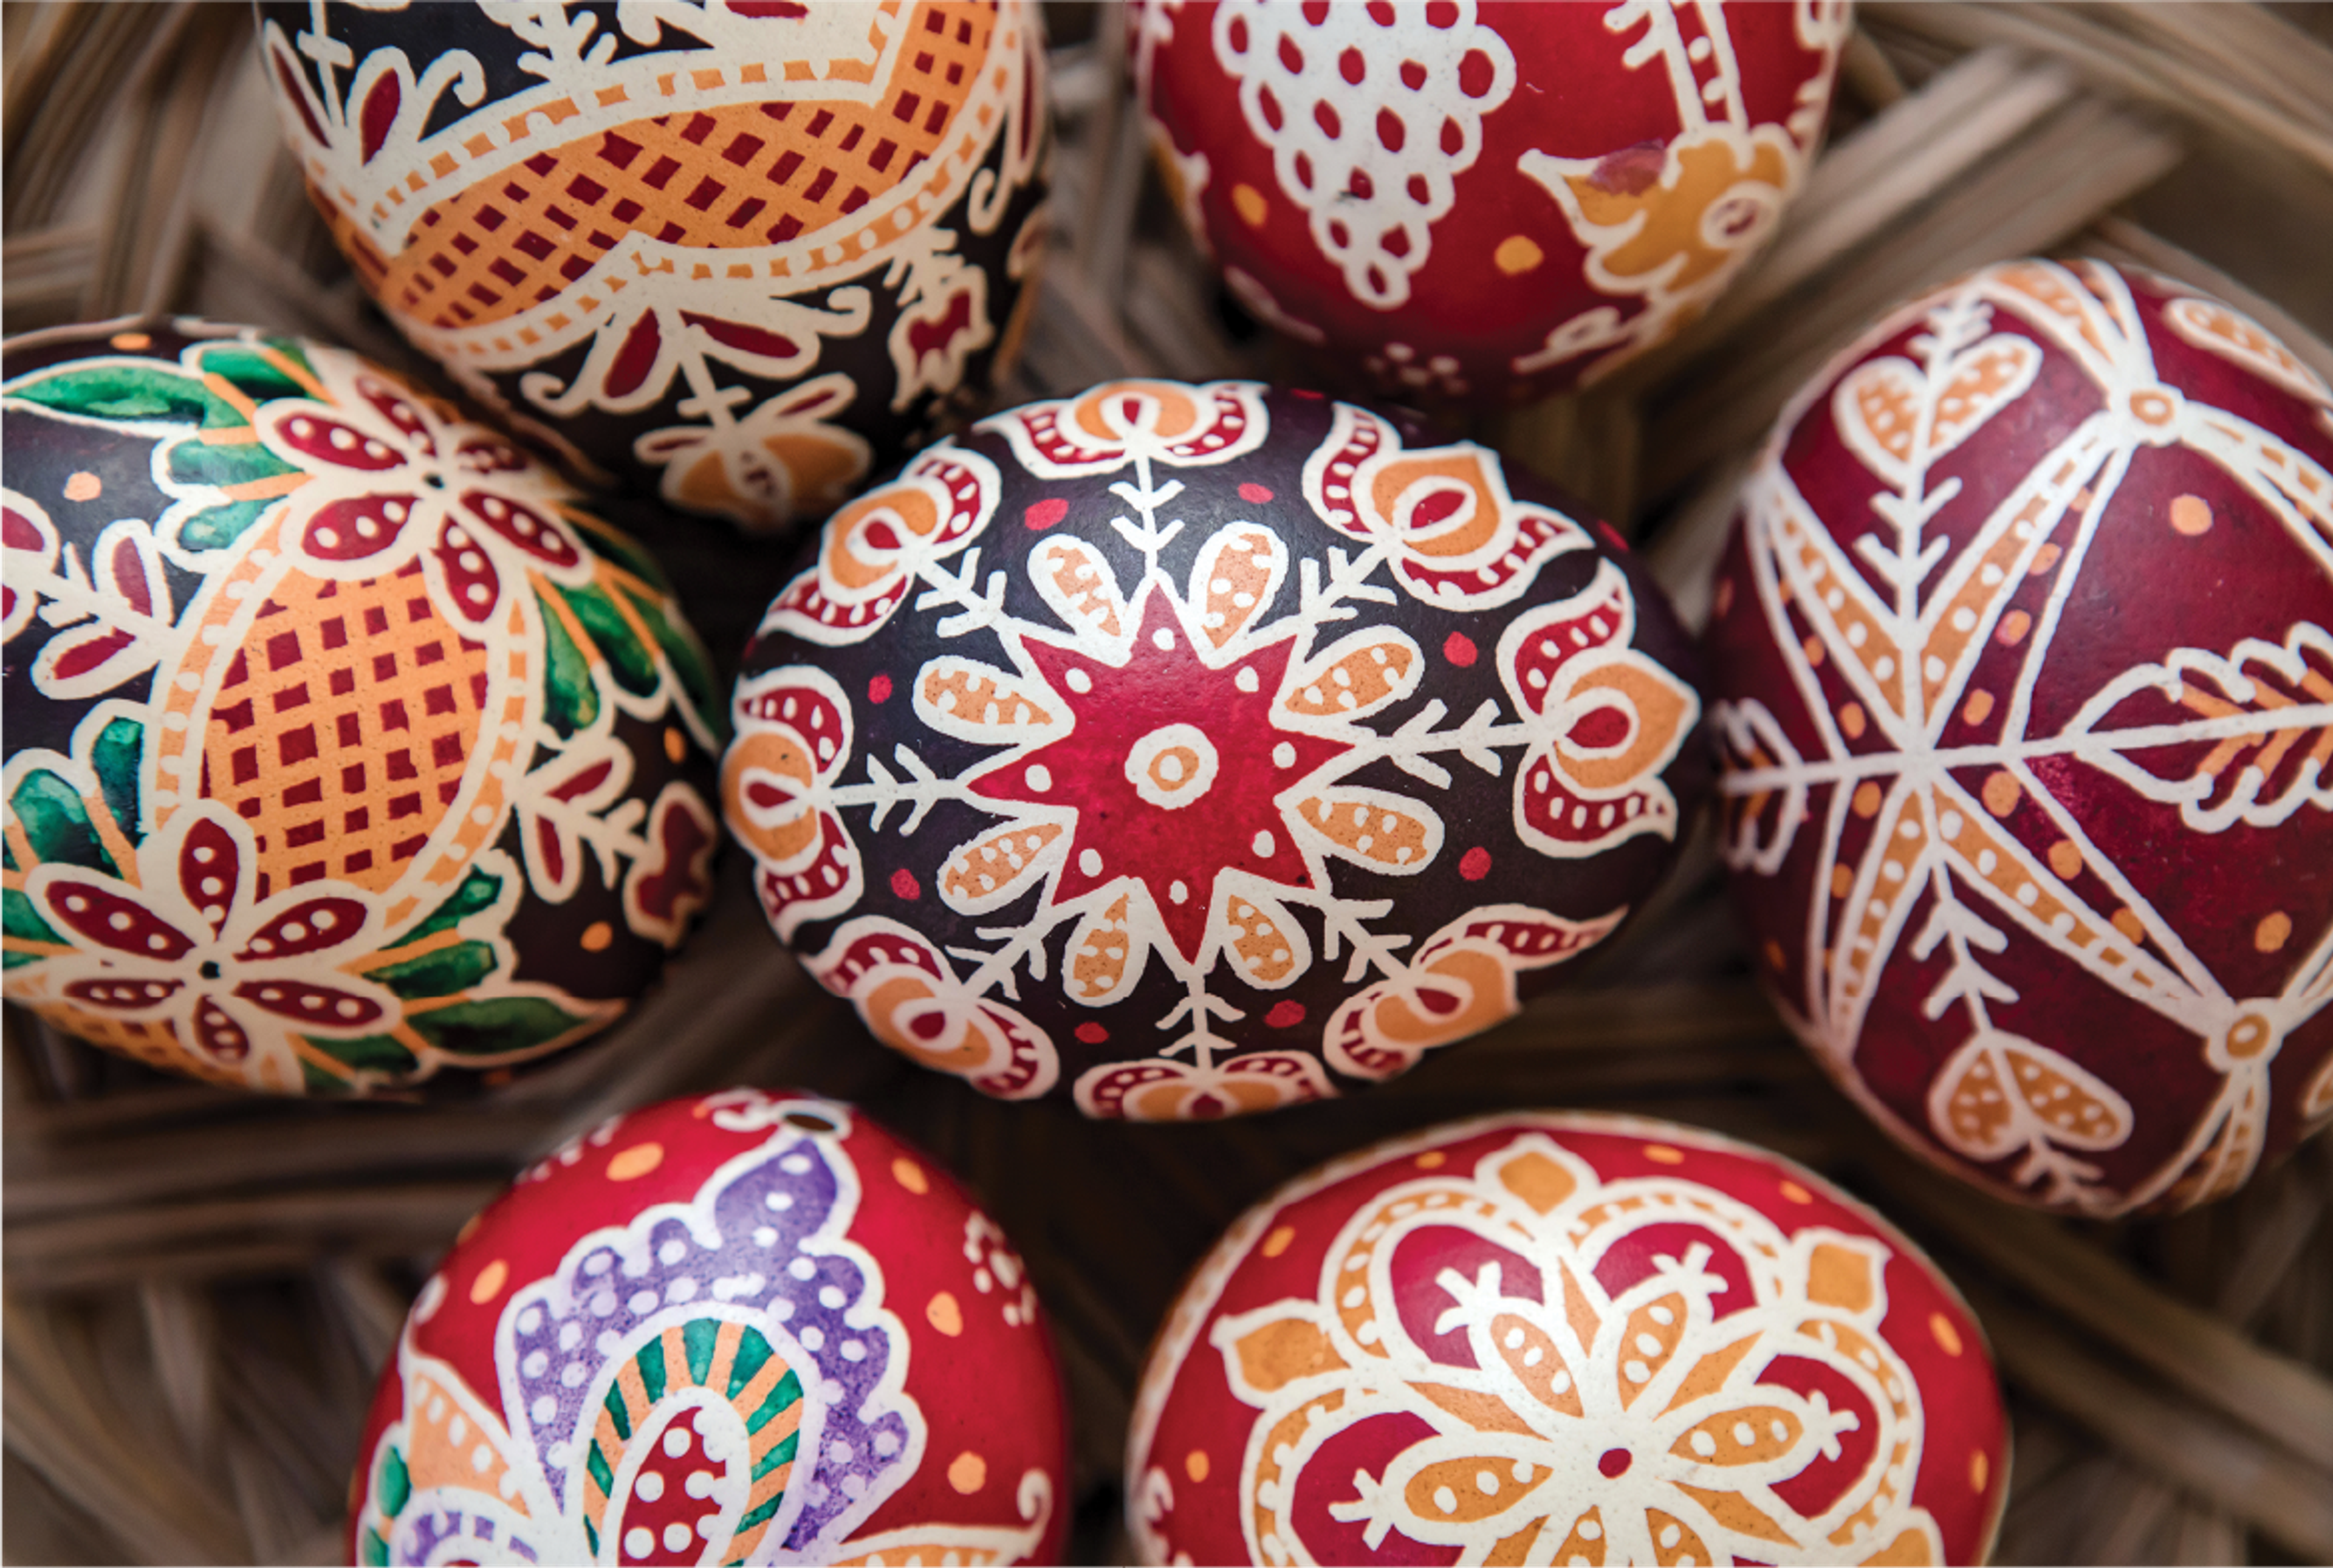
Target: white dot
x,y
1162,639
1263,845
638,1542
1039,778
676,1537
1283,754
675,1441
699,1484
1090,862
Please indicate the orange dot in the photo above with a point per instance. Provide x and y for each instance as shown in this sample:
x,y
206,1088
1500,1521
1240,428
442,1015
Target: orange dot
x,y
2272,932
489,1283
1980,1470
1851,719
676,744
1251,204
1517,255
1813,648
2065,859
1948,1338
1662,1154
2044,559
1194,1463
1978,707
909,1174
631,1164
2127,922
132,341
1430,1160
1277,1242
2002,794
1867,798
1774,956
1842,882
84,486
968,1472
943,1314
597,936
2192,515
469,1227
2013,628
1797,1194
1724,600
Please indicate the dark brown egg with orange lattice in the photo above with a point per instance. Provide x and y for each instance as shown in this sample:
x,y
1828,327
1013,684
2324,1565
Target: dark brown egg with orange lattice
x,y
744,261
345,748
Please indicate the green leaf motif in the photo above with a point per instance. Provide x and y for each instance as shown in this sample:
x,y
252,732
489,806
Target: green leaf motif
x,y
499,1026
478,892
117,759
366,1054
23,921
439,974
254,373
217,527
243,463
632,663
691,663
131,394
56,824
570,697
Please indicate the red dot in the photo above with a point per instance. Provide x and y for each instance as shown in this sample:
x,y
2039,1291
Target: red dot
x,y
1611,537
1308,394
1255,495
904,883
1285,1015
1475,865
1614,1463
1093,1033
879,689
1043,515
1458,648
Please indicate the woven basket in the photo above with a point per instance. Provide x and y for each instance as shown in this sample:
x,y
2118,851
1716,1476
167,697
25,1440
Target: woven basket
x,y
200,1286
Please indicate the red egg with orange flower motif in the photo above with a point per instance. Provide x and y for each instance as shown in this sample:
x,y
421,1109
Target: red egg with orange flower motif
x,y
1189,750
745,1327
1552,1337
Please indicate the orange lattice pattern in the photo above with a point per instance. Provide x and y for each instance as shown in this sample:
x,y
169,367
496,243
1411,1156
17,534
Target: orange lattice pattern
x,y
344,728
735,177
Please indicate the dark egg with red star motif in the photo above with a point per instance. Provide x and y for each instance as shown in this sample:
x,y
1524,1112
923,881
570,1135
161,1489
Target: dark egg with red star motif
x,y
1192,750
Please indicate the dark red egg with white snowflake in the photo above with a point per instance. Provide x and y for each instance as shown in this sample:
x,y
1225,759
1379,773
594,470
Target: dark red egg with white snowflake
x,y
349,747
1553,1337
1483,203
2025,647
1191,750
746,1327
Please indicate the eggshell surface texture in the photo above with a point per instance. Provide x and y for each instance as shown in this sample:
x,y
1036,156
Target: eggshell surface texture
x,y
746,1327
344,747
1553,1338
2023,647
1479,203
1198,749
739,255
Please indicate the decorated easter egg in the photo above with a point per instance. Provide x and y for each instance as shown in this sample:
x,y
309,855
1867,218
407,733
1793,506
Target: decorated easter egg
x,y
1484,203
747,1327
344,746
1552,1337
742,254
2025,642
1189,750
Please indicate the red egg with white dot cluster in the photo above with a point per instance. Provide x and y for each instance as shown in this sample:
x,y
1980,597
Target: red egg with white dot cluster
x,y
2025,644
1550,1337
1189,750
1480,203
748,1326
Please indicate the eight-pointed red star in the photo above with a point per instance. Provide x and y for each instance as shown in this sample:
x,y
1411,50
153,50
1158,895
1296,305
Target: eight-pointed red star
x,y
1172,765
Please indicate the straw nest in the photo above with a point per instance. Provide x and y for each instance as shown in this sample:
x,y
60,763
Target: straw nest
x,y
200,1286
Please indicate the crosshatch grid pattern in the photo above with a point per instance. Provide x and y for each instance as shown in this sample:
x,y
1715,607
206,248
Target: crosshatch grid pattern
x,y
347,687
708,179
